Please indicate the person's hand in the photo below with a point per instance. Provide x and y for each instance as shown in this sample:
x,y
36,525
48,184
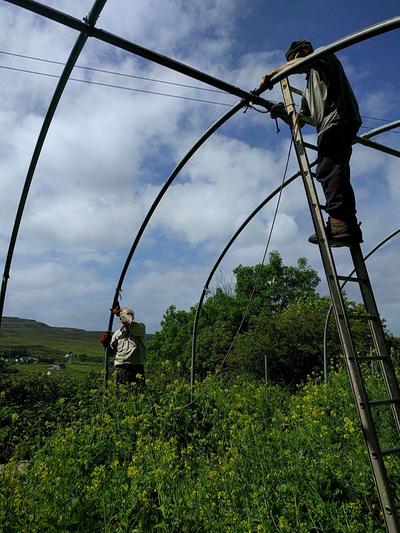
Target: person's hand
x,y
116,308
278,111
105,339
265,83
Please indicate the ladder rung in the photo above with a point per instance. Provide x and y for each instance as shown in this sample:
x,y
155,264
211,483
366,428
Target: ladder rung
x,y
310,146
372,357
362,317
389,451
384,402
348,278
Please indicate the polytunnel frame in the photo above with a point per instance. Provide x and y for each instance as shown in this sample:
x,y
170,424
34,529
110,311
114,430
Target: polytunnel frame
x,y
358,140
91,19
88,29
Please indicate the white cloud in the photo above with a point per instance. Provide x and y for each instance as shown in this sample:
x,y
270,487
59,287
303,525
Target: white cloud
x,y
108,152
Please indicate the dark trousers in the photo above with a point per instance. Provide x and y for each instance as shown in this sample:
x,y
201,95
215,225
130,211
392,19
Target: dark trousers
x,y
126,374
333,171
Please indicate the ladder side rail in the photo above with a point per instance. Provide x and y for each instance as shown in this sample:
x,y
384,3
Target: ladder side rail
x,y
364,412
378,335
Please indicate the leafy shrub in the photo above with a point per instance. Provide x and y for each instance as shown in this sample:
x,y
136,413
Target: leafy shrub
x,y
240,458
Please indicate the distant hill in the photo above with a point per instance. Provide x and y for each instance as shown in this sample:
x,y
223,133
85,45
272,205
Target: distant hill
x,y
44,340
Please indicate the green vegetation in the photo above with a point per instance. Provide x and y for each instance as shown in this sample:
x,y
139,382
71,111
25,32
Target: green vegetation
x,y
234,461
243,457
42,340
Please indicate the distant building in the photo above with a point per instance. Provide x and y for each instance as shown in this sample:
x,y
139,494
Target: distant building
x,y
55,368
25,359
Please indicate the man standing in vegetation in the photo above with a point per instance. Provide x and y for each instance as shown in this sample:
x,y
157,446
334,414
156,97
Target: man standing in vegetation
x,y
128,346
328,100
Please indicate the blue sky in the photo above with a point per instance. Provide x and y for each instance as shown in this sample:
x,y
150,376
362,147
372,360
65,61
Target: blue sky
x,y
109,151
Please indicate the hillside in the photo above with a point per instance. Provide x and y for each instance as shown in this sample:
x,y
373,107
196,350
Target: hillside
x,y
41,339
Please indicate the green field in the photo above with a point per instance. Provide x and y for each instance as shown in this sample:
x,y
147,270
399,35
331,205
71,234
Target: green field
x,y
73,367
43,340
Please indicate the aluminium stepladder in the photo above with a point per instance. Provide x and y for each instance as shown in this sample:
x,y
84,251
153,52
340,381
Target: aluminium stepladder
x,y
364,404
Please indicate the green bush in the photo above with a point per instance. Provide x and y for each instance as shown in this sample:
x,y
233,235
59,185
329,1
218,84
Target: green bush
x,y
240,458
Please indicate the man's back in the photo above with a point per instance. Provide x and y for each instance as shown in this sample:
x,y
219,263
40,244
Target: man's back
x,y
328,98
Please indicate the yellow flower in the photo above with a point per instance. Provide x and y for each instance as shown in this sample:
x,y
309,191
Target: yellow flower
x,y
283,524
132,471
114,464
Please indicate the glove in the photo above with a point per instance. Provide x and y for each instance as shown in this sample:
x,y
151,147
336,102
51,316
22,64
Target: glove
x,y
116,308
278,111
105,339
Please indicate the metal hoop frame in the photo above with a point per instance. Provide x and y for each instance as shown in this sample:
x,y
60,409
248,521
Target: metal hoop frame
x,y
87,29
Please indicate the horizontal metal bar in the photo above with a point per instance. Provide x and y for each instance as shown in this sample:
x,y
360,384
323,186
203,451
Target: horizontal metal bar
x,y
296,90
361,317
389,451
310,146
372,358
123,44
377,146
384,402
348,278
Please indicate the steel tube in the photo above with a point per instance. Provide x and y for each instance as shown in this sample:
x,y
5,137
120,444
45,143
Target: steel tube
x,y
217,263
354,38
78,46
157,200
381,129
128,46
376,146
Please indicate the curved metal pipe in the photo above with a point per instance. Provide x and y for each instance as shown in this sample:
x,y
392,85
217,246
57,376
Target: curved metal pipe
x,y
328,315
217,263
240,229
233,110
381,129
376,146
354,38
76,50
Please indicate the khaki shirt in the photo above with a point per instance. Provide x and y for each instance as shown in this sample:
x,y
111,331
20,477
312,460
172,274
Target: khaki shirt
x,y
128,344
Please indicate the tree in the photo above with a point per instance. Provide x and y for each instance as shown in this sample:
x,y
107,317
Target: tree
x,y
274,285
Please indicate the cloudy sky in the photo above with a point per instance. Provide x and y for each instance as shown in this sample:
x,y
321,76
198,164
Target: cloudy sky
x,y
109,150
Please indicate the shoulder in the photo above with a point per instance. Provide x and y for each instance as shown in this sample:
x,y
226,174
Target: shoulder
x,y
137,328
326,62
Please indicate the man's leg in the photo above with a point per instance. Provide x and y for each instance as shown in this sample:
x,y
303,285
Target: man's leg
x,y
333,172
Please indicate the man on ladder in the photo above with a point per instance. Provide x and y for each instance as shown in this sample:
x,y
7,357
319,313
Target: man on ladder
x,y
329,102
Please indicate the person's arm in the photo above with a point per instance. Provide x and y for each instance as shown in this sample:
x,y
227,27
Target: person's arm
x,y
114,343
265,82
137,328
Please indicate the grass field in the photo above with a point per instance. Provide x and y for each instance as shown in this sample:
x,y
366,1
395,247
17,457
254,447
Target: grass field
x,y
73,367
43,340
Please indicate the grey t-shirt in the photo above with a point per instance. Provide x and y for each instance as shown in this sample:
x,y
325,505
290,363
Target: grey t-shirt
x,y
328,98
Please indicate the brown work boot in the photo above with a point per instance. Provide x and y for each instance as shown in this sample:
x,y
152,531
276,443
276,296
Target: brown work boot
x,y
340,233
